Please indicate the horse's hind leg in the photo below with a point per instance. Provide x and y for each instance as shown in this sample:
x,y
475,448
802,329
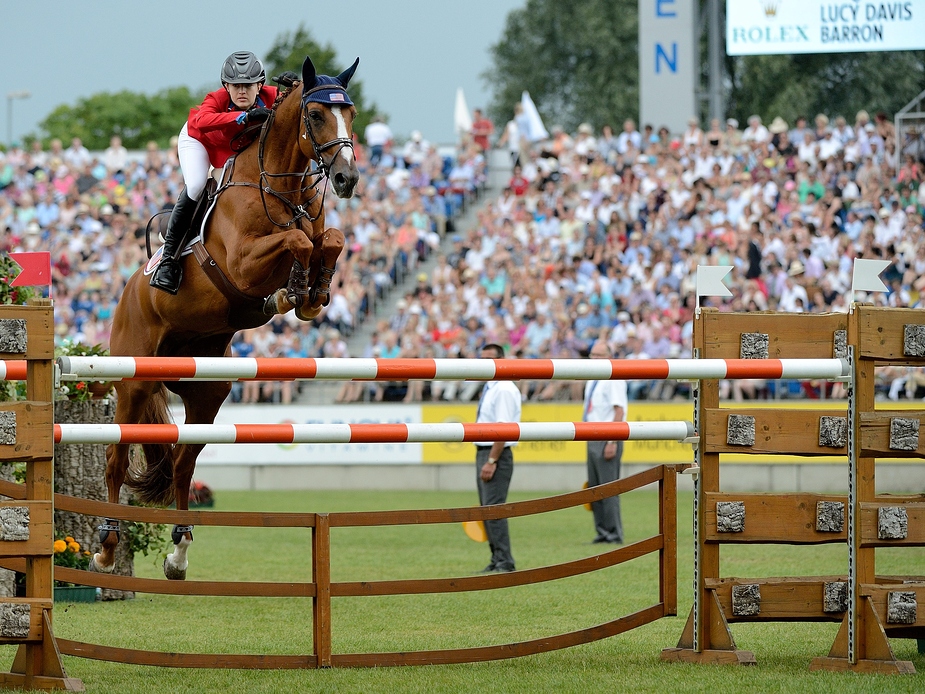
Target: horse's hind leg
x,y
202,400
324,261
130,406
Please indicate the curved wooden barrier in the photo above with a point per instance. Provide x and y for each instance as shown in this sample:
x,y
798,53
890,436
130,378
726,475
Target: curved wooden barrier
x,y
321,589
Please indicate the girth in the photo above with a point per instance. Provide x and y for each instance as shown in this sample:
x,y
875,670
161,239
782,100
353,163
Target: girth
x,y
251,308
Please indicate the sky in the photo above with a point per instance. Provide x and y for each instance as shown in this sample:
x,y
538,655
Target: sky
x,y
414,54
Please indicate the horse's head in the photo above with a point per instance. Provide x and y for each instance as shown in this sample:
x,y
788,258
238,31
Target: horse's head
x,y
327,122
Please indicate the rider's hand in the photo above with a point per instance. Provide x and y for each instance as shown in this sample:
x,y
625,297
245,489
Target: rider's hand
x,y
257,115
286,78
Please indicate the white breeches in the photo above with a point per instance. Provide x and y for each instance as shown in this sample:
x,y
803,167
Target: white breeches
x,y
194,163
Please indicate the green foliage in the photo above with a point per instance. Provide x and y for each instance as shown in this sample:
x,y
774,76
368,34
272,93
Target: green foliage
x,y
833,84
136,118
288,53
147,538
80,390
578,61
12,295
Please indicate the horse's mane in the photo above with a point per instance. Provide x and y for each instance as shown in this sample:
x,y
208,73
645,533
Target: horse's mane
x,y
283,93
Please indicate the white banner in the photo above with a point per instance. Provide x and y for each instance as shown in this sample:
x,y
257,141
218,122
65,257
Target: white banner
x,y
312,453
773,27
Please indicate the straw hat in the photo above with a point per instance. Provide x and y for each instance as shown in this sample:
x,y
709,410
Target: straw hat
x,y
778,125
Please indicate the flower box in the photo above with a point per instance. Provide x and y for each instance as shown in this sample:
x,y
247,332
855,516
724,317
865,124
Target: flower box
x,y
75,594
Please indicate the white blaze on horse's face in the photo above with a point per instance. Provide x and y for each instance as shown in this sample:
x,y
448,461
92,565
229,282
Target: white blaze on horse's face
x,y
342,134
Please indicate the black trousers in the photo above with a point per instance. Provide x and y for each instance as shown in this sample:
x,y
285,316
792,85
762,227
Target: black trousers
x,y
607,520
492,492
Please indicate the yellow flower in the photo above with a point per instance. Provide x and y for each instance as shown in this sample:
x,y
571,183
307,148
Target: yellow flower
x,y
69,539
60,546
73,546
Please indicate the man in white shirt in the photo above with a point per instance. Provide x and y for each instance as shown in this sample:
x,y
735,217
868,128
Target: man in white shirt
x,y
494,463
605,401
377,134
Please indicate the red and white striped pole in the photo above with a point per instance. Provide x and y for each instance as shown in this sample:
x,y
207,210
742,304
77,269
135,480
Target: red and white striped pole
x,y
13,370
373,433
275,369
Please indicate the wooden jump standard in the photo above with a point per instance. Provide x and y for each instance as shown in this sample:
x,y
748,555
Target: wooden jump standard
x,y
870,608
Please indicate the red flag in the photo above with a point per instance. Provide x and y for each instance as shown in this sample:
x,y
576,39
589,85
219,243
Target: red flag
x,y
36,269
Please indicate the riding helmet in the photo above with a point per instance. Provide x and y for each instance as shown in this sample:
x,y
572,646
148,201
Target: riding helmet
x,y
242,68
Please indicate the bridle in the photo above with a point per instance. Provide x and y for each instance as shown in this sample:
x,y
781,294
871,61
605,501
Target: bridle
x,y
309,178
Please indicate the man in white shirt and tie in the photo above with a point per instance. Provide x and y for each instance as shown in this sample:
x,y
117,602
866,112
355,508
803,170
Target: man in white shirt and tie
x,y
605,401
494,463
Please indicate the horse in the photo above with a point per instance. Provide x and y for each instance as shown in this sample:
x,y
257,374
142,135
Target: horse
x,y
263,251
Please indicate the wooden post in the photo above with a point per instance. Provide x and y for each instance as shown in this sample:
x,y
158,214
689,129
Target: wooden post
x,y
37,664
668,529
321,577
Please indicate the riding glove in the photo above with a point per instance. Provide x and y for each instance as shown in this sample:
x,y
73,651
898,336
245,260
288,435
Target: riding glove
x,y
286,78
257,115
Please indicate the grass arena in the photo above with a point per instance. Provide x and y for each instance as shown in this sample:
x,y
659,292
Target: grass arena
x,y
861,613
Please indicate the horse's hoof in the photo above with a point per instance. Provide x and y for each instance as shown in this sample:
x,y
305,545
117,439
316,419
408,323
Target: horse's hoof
x,y
307,314
172,572
95,566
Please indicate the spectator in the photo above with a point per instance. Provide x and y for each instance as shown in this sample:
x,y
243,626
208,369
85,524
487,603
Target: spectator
x,y
377,135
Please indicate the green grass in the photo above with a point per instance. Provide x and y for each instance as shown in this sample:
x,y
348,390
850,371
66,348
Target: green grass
x,y
627,662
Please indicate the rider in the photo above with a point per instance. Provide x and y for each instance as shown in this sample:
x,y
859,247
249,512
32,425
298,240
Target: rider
x,y
206,140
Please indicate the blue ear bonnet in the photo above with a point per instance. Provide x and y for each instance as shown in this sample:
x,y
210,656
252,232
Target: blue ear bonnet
x,y
335,95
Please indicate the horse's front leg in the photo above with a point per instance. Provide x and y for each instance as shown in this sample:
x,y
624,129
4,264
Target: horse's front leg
x,y
252,260
323,264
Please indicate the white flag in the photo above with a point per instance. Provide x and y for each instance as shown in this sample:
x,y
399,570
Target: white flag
x,y
536,131
462,121
710,280
866,275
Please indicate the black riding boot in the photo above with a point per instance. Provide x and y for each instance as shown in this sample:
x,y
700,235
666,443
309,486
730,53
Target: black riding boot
x,y
169,272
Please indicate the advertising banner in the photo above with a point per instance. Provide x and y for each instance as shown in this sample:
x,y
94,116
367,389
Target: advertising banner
x,y
774,27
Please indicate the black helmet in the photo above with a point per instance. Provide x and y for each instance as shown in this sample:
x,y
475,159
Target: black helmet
x,y
242,68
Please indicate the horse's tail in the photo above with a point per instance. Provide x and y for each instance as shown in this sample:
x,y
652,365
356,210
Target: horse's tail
x,y
153,485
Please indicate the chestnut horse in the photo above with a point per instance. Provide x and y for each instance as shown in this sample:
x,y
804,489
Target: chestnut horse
x,y
264,250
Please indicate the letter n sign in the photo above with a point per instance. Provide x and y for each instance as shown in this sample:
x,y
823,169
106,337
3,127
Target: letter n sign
x,y
667,62
666,57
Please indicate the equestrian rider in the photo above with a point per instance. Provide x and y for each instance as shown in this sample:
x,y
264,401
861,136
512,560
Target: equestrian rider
x,y
206,140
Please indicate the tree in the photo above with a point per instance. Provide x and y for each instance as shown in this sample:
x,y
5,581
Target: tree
x,y
829,83
288,53
577,59
136,118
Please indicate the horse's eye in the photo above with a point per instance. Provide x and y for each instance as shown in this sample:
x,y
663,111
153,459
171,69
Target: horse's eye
x,y
316,116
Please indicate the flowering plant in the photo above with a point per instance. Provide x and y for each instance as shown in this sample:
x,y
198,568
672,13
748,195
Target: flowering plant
x,y
69,554
82,390
9,294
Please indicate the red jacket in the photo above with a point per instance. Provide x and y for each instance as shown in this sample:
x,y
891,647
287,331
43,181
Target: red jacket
x,y
214,122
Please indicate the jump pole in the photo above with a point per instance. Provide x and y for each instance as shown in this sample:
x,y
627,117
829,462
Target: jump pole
x,y
275,369
373,433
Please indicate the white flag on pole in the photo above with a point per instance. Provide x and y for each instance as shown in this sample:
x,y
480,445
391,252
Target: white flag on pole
x,y
866,275
535,130
462,121
710,280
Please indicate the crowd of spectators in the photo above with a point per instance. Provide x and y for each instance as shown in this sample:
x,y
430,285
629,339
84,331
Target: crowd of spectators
x,y
90,210
599,233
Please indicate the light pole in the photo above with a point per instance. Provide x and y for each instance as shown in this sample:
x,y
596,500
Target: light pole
x,y
9,112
